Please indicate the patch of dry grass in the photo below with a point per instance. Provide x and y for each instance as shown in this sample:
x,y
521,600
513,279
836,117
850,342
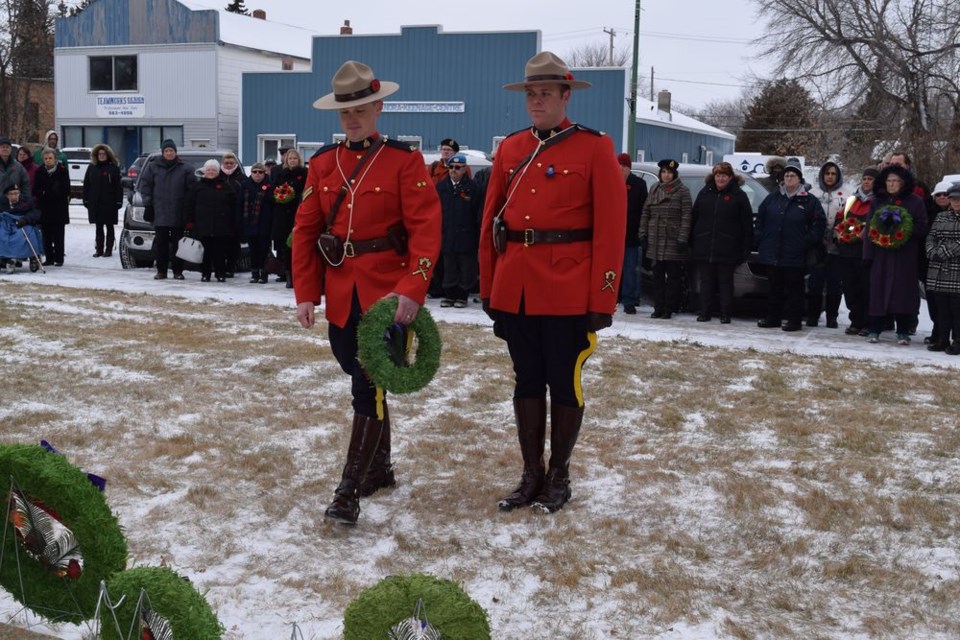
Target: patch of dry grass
x,y
760,494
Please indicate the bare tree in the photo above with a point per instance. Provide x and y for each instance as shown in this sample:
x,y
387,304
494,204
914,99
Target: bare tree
x,y
26,57
722,114
597,54
904,54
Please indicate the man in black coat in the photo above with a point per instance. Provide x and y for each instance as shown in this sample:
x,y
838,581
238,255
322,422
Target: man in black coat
x,y
636,196
461,233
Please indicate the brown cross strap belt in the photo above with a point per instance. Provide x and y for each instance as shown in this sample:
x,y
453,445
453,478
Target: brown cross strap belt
x,y
549,236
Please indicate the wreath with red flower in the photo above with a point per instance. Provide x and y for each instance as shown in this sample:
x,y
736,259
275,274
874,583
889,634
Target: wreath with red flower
x,y
850,230
284,194
890,227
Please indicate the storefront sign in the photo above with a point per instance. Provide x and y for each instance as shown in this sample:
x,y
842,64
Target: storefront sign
x,y
125,106
423,107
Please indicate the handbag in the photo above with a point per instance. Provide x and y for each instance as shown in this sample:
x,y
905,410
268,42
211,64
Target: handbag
x,y
190,250
415,627
273,264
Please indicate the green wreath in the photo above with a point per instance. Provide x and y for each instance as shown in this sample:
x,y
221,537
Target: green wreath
x,y
447,607
375,354
62,490
172,598
891,227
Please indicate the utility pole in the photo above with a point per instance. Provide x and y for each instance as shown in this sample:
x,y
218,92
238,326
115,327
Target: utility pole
x,y
613,34
632,125
651,85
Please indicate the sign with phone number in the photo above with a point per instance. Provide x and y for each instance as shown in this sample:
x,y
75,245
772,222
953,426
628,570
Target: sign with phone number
x,y
126,106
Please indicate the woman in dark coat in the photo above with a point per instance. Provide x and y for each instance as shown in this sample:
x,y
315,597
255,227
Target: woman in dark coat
x,y
256,214
665,236
894,270
231,172
212,215
722,221
51,192
25,157
294,174
103,196
790,223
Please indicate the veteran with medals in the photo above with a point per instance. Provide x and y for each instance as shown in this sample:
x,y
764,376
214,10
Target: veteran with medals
x,y
551,251
368,228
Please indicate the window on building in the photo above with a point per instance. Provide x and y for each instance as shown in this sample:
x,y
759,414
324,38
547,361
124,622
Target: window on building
x,y
113,73
286,64
709,158
152,137
684,158
641,155
269,145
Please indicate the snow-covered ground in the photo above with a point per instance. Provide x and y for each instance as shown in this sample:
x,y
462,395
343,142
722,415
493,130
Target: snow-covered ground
x,y
82,270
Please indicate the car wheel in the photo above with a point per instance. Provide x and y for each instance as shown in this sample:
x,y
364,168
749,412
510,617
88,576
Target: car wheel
x,y
126,260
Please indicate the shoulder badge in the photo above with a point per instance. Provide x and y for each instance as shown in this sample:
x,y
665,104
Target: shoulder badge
x,y
325,148
397,144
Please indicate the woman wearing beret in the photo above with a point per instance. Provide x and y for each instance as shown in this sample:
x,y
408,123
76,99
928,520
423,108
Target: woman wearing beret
x,y
665,237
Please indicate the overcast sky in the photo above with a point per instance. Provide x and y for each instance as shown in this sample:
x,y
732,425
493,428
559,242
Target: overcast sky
x,y
699,49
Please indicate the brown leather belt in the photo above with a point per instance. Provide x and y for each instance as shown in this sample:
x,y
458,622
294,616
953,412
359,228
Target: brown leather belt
x,y
549,236
356,248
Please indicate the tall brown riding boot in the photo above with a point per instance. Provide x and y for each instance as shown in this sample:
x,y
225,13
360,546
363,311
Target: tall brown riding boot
x,y
833,310
380,474
531,414
564,428
364,437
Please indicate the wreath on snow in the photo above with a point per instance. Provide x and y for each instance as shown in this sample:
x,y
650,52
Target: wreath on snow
x,y
162,602
386,607
383,348
891,226
850,230
60,538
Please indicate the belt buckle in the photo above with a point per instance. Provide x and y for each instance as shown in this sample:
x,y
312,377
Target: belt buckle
x,y
348,249
528,237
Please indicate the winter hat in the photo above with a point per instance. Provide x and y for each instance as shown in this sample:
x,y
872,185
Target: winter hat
x,y
671,166
624,160
793,169
954,191
11,187
871,172
211,163
942,187
457,159
258,165
168,143
450,142
5,140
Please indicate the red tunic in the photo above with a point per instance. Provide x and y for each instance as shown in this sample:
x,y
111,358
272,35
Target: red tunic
x,y
392,187
574,184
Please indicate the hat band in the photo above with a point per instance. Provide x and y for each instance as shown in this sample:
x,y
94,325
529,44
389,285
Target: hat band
x,y
548,76
356,95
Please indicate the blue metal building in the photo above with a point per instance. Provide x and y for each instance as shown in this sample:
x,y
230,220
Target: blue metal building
x,y
450,87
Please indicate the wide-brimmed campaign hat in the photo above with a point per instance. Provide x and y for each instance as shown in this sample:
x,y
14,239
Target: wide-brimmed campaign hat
x,y
354,84
546,68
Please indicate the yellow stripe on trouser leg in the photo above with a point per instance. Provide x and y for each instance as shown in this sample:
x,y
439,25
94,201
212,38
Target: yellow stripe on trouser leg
x,y
586,353
379,403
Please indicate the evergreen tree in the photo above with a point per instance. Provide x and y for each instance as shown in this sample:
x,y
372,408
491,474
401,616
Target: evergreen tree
x,y
237,6
780,121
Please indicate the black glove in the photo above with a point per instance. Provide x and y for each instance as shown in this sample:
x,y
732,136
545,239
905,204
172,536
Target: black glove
x,y
21,223
396,339
683,246
643,243
597,321
485,303
148,213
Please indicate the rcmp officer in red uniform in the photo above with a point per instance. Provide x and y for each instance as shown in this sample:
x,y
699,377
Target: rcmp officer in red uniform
x,y
551,250
368,227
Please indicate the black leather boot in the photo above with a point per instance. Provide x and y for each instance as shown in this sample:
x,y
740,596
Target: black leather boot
x,y
98,252
380,474
833,310
564,428
254,276
364,437
814,307
531,415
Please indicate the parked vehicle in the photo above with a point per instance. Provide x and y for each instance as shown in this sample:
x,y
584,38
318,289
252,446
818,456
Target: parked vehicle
x,y
78,159
476,160
136,237
750,278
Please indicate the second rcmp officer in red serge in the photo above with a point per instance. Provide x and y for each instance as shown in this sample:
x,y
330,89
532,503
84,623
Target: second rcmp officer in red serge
x,y
368,227
551,250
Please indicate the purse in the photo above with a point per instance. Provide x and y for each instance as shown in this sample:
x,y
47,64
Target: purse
x,y
190,250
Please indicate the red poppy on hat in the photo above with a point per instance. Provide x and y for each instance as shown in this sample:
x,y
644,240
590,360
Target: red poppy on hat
x,y
375,85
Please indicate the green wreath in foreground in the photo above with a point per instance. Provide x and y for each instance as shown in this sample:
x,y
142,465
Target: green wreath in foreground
x,y
56,502
172,605
374,351
447,607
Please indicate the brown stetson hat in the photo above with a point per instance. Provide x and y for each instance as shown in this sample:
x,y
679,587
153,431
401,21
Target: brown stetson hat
x,y
354,84
546,68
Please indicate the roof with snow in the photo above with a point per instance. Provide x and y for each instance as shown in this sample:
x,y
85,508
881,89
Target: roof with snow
x,y
261,35
647,112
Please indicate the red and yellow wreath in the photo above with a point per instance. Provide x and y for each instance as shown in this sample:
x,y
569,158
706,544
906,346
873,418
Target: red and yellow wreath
x,y
284,193
891,226
850,230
